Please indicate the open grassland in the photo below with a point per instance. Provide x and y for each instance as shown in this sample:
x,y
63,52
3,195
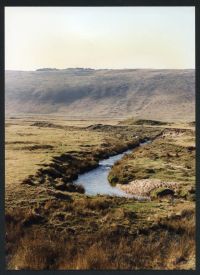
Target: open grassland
x,y
50,224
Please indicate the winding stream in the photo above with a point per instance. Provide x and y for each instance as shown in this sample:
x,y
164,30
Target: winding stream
x,y
96,181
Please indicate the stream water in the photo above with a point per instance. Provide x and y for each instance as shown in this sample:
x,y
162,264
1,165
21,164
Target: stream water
x,y
96,181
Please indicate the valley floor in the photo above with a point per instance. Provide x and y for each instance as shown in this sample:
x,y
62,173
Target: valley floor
x,y
51,224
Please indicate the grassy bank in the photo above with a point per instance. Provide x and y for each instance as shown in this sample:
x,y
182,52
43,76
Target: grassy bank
x,y
170,158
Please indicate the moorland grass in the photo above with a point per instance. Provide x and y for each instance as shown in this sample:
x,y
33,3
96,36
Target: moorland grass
x,y
49,225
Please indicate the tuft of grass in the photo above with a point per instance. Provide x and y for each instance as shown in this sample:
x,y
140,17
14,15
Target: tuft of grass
x,y
37,252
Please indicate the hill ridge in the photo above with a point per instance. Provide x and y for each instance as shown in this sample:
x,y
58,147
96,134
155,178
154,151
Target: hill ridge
x,y
146,93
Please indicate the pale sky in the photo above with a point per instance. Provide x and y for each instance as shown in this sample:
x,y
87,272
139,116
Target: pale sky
x,y
99,37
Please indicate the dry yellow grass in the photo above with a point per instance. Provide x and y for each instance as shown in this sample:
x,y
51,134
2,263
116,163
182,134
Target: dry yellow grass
x,y
20,161
101,233
169,247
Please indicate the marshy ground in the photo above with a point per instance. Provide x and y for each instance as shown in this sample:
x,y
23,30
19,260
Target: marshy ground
x,y
51,224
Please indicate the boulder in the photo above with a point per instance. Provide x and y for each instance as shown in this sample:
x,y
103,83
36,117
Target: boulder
x,y
161,192
165,192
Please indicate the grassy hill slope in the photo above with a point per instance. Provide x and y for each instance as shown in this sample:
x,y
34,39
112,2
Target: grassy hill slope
x,y
143,93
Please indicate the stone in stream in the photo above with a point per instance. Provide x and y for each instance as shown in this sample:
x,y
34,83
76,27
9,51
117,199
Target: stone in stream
x,y
60,186
153,188
165,192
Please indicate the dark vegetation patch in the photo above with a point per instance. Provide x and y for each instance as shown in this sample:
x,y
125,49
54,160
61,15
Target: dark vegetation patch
x,y
102,127
7,124
192,123
132,121
47,124
60,194
149,122
69,187
26,134
20,142
37,147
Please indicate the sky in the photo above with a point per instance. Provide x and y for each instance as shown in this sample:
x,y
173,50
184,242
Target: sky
x,y
99,37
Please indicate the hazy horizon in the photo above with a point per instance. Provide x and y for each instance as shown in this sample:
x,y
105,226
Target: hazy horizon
x,y
99,38
51,68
